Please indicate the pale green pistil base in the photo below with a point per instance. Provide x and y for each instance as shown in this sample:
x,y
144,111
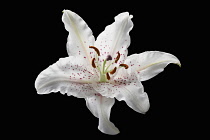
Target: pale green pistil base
x,y
103,78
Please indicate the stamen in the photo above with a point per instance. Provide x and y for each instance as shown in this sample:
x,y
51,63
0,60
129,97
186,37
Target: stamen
x,y
97,51
113,71
118,57
93,63
107,76
124,65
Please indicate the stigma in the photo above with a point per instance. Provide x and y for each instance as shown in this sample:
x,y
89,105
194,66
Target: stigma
x,y
108,58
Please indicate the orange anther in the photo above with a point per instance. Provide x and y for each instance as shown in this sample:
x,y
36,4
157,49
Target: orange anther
x,y
113,71
107,76
93,63
118,57
124,65
97,51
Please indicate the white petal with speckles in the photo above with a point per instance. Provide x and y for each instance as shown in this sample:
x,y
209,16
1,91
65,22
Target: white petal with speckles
x,y
68,77
115,38
101,106
149,64
127,87
80,36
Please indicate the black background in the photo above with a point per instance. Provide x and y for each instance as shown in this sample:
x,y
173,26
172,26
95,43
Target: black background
x,y
157,26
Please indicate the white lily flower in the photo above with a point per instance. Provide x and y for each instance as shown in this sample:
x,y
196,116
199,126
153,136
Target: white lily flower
x,y
100,70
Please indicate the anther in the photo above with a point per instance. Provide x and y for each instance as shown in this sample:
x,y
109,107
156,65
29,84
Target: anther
x,y
118,57
107,76
97,51
124,65
93,63
113,71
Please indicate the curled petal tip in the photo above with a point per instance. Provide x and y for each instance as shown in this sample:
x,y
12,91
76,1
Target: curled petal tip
x,y
63,10
179,64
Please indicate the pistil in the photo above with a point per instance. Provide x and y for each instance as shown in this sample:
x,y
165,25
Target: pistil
x,y
104,66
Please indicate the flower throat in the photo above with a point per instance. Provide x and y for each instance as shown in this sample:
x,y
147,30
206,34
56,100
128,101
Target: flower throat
x,y
105,71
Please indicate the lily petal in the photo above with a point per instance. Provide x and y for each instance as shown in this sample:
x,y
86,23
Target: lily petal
x,y
149,64
125,86
80,36
101,106
115,38
131,91
135,97
67,77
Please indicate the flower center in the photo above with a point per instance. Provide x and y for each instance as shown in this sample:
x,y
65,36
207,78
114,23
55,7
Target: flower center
x,y
105,70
